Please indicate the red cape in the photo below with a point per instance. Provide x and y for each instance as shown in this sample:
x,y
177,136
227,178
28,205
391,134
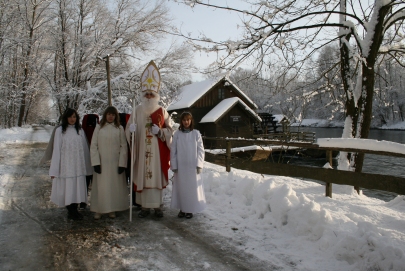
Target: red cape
x,y
89,124
158,118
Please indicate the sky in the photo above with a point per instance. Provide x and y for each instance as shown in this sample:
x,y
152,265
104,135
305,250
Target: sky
x,y
288,222
216,24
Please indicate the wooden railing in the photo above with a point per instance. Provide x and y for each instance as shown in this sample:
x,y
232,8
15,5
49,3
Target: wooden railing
x,y
329,176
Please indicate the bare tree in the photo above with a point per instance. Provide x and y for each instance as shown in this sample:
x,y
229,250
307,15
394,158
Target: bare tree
x,y
22,25
290,33
86,31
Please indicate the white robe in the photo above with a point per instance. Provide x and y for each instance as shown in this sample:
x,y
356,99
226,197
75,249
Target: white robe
x,y
69,165
186,154
109,191
148,175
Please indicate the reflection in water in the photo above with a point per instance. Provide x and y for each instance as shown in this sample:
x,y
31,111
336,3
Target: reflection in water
x,y
377,164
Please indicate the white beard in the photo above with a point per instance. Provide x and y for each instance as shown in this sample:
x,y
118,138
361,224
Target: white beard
x,y
150,105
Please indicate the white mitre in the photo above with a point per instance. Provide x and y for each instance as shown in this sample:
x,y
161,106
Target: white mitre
x,y
150,78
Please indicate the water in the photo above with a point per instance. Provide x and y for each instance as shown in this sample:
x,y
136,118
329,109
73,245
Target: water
x,y
377,164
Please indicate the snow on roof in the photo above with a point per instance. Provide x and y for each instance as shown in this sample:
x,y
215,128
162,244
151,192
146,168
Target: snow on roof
x,y
189,94
223,107
241,92
279,117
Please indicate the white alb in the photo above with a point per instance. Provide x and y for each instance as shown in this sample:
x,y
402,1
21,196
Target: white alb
x,y
186,154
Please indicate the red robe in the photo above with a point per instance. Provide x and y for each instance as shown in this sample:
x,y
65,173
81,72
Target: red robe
x,y
164,151
89,123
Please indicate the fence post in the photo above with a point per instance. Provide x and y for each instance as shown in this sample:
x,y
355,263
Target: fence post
x,y
228,156
328,186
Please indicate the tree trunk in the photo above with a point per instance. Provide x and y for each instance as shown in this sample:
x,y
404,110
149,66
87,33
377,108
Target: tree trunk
x,y
27,69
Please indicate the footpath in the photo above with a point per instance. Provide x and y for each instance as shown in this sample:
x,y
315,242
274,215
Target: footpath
x,y
37,235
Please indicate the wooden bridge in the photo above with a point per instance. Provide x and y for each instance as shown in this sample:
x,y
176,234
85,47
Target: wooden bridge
x,y
329,176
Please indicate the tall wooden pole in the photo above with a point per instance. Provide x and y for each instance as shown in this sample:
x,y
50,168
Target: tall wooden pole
x,y
228,156
107,66
328,186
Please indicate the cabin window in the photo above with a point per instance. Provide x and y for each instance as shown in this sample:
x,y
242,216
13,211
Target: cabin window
x,y
235,129
221,93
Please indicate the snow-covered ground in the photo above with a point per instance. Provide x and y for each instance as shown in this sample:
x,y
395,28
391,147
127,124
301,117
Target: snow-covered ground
x,y
289,221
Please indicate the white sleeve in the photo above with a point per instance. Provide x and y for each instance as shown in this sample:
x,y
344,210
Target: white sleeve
x,y
200,150
167,132
123,159
94,154
173,153
54,169
127,132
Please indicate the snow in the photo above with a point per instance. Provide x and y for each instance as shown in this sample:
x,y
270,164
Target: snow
x,y
23,135
214,114
396,126
289,222
364,144
189,94
279,117
242,149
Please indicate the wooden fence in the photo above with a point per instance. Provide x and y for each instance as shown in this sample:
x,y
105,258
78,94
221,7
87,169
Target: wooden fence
x,y
329,176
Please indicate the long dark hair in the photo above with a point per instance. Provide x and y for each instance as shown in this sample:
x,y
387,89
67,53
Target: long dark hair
x,y
111,110
183,116
69,112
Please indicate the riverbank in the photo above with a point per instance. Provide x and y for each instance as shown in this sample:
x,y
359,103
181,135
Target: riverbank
x,y
321,123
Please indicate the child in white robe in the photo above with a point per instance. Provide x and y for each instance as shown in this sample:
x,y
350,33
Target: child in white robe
x,y
70,164
186,161
109,157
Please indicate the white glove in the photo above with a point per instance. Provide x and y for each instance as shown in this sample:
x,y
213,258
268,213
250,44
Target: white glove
x,y
155,129
199,170
132,127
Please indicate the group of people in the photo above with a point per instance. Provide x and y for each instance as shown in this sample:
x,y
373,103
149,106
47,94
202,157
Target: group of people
x,y
148,140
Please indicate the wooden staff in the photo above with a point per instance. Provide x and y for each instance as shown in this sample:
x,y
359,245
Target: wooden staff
x,y
132,162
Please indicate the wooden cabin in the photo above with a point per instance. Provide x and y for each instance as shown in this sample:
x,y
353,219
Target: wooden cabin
x,y
219,109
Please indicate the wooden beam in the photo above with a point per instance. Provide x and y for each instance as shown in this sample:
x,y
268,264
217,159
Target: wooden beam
x,y
328,185
365,180
228,156
305,145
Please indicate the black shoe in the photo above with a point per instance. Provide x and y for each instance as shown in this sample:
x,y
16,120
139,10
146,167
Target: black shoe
x,y
158,213
82,206
143,213
181,214
189,215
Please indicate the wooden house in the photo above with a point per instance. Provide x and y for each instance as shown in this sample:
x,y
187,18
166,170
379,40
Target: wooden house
x,y
219,108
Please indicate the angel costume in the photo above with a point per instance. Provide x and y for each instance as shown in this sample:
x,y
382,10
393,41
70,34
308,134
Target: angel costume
x,y
69,165
187,153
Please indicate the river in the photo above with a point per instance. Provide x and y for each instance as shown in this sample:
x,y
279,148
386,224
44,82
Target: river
x,y
378,164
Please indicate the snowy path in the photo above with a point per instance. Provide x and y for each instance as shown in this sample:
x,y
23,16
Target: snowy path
x,y
36,235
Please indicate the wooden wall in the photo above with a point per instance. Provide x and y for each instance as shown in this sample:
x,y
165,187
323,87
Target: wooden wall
x,y
235,123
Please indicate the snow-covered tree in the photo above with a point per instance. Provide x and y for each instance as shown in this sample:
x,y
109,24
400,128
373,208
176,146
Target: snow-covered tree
x,y
291,32
22,32
86,32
